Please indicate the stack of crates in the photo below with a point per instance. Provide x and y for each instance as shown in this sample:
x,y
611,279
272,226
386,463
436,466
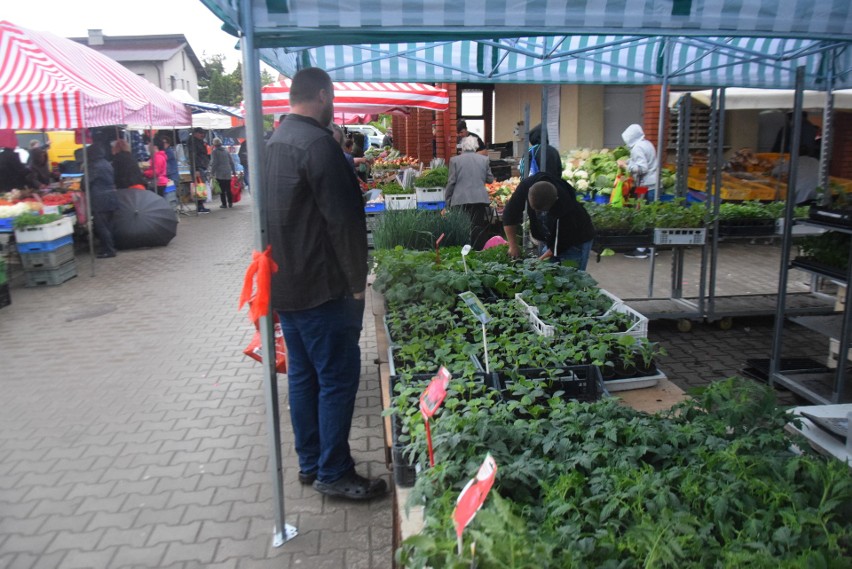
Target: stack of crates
x,y
47,253
430,198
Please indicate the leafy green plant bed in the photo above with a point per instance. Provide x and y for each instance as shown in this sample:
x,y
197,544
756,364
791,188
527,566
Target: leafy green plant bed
x,y
570,383
711,483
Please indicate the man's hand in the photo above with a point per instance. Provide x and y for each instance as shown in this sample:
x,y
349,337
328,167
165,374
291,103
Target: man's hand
x,y
514,250
358,295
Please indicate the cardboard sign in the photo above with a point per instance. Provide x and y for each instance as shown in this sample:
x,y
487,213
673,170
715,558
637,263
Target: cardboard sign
x,y
434,394
473,496
476,307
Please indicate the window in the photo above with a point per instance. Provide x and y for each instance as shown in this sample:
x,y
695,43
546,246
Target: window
x,y
476,104
183,59
172,83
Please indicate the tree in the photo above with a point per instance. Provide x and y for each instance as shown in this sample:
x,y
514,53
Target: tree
x,y
220,87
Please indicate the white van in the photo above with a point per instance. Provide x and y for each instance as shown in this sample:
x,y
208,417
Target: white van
x,y
373,134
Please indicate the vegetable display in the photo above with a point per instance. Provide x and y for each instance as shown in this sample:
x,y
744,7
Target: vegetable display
x,y
29,219
434,178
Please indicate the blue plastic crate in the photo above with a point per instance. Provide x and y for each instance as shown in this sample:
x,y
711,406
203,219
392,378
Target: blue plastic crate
x,y
6,224
431,205
44,246
374,207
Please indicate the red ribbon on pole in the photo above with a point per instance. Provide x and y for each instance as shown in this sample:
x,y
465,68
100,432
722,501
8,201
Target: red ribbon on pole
x,y
258,283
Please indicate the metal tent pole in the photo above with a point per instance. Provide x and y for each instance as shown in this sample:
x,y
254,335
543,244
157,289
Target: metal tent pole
x,y
786,240
827,131
542,152
89,212
282,532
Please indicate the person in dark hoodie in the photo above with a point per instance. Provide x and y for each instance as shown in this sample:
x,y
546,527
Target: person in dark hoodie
x,y
553,164
104,199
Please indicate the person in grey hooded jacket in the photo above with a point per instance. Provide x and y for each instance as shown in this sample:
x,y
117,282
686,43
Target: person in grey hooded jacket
x,y
643,158
642,166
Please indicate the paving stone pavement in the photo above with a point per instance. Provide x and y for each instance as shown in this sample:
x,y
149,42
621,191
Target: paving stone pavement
x,y
132,430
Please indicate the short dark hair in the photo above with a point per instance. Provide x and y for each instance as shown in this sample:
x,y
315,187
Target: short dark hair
x,y
158,142
542,196
307,84
461,125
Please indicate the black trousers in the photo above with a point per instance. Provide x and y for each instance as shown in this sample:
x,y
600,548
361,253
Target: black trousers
x,y
226,196
104,222
479,222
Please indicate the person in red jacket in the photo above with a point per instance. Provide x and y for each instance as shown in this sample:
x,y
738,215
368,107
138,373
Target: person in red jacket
x,y
159,162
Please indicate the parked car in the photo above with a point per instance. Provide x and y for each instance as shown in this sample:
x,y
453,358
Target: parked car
x,y
373,134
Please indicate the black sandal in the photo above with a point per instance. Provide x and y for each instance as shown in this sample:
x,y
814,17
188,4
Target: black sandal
x,y
353,486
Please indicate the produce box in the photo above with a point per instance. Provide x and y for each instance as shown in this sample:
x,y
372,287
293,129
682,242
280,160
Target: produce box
x,y
48,259
6,224
46,232
44,246
429,194
639,326
677,236
641,382
375,207
401,201
435,206
51,277
5,296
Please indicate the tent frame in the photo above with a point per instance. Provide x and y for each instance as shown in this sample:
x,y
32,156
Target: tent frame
x,y
828,44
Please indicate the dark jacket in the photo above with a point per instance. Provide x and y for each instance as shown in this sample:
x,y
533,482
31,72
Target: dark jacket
x,y
13,173
315,215
172,172
101,182
553,165
39,166
197,156
127,172
575,225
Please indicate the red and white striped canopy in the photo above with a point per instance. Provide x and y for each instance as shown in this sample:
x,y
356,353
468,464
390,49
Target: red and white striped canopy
x,y
49,82
363,98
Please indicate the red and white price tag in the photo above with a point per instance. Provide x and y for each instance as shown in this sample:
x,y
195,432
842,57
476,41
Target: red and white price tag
x,y
430,401
473,495
434,394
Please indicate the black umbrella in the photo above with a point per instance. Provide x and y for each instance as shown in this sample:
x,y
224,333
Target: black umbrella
x,y
143,219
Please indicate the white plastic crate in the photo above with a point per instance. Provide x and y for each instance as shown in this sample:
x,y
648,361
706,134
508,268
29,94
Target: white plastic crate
x,y
639,327
429,194
46,232
528,308
685,236
401,201
540,327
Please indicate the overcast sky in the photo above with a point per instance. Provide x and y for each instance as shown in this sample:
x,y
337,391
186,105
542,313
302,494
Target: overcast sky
x,y
70,18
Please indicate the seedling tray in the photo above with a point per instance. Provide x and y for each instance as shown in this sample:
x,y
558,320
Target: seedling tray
x,y
639,382
579,383
629,241
827,215
747,228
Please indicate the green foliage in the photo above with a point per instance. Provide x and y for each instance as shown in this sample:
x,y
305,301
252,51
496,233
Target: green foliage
x,y
830,248
710,483
220,87
745,210
394,189
434,178
419,229
30,219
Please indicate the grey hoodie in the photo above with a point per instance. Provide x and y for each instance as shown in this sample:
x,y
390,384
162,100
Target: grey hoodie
x,y
643,158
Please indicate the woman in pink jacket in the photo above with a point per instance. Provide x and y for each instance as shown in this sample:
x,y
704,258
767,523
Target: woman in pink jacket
x,y
158,166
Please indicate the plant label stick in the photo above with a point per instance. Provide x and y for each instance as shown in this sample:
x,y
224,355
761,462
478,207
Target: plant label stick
x,y
473,495
476,307
465,252
430,401
437,245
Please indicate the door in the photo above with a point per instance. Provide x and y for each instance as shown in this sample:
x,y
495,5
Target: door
x,y
623,106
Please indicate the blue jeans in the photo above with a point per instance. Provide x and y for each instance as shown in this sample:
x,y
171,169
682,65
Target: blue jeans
x,y
577,253
323,372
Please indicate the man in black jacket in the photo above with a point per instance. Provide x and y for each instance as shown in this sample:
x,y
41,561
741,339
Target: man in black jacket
x,y
199,159
317,229
557,219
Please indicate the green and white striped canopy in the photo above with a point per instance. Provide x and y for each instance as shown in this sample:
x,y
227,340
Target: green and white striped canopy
x,y
747,43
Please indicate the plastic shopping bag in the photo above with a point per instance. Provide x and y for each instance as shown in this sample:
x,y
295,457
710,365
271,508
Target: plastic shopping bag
x,y
200,190
236,188
255,351
217,189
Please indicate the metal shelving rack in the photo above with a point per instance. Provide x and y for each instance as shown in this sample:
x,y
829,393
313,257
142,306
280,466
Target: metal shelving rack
x,y
827,387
